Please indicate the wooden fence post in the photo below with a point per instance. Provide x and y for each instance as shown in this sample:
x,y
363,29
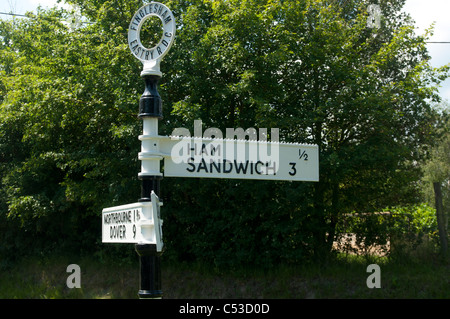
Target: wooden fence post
x,y
440,216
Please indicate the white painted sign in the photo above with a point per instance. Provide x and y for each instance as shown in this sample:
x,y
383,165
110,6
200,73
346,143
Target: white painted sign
x,y
133,223
239,159
151,57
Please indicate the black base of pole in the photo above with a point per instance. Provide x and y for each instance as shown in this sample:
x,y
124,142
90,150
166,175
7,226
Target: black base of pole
x,y
150,271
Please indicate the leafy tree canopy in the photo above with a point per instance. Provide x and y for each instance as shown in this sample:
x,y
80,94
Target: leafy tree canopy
x,y
313,69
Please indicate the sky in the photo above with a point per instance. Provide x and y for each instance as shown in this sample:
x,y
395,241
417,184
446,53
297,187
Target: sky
x,y
424,12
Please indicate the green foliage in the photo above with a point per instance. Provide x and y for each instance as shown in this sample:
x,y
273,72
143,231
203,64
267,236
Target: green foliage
x,y
421,219
68,130
313,69
403,228
266,229
437,168
320,75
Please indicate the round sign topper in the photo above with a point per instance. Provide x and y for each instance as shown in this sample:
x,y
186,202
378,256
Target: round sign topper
x,y
151,57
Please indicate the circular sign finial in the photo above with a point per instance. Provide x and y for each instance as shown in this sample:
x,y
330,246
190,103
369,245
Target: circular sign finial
x,y
151,57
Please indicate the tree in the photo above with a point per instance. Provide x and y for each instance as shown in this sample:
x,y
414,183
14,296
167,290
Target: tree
x,y
316,71
313,69
68,128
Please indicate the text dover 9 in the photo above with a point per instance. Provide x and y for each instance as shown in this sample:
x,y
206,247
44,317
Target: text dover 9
x,y
132,223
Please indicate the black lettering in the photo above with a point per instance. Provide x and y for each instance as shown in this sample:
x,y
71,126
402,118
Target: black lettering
x,y
134,48
159,50
273,168
133,28
193,149
241,167
215,149
202,165
168,34
192,169
293,169
168,19
165,43
215,165
155,8
225,170
137,19
146,55
117,231
256,167
204,150
141,13
164,14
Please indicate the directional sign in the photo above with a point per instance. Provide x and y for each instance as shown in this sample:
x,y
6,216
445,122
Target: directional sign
x,y
133,223
243,159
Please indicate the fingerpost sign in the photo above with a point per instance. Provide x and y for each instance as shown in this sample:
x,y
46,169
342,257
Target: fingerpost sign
x,y
140,223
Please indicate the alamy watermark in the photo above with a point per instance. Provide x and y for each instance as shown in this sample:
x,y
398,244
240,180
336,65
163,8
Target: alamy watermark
x,y
374,19
73,280
373,280
249,147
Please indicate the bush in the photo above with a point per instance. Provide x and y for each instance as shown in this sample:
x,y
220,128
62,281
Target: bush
x,y
396,232
413,229
229,224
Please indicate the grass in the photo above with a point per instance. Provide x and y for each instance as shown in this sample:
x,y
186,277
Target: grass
x,y
344,277
45,278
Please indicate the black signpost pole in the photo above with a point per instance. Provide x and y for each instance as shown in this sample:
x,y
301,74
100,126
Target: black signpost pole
x,y
150,106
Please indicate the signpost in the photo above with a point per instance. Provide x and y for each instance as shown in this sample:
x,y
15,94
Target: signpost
x,y
241,159
140,223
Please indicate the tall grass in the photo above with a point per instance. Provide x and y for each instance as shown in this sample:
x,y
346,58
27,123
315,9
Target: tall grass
x,y
342,277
